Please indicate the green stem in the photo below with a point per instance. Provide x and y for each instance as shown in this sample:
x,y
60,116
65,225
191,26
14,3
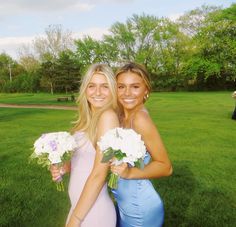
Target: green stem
x,y
60,186
113,181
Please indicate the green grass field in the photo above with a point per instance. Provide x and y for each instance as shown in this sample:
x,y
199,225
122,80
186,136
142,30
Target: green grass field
x,y
196,128
37,98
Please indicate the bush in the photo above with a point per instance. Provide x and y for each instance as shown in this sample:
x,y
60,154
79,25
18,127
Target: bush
x,y
22,83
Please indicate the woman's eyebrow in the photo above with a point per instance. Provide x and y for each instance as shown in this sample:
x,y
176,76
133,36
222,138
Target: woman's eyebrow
x,y
129,84
98,83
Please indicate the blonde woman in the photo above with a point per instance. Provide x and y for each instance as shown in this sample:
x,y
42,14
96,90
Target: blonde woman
x,y
90,203
138,202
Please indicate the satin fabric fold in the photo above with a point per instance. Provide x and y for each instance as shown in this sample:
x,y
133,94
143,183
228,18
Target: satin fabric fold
x,y
138,203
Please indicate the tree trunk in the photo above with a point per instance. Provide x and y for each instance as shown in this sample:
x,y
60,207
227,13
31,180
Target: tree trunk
x,y
51,87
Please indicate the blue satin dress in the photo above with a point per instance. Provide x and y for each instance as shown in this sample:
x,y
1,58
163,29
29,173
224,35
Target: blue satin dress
x,y
139,205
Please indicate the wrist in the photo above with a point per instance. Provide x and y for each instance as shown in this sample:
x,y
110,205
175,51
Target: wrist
x,y
129,173
135,173
77,217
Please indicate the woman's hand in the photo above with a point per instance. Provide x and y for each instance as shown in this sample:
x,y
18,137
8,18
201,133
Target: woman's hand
x,y
56,172
122,170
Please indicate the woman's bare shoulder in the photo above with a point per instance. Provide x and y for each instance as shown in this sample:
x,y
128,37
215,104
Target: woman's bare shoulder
x,y
142,116
109,114
108,120
142,121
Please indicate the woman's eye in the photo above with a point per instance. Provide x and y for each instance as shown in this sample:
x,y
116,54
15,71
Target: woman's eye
x,y
120,87
136,87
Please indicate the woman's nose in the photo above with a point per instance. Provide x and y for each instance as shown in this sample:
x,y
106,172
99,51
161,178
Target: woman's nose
x,y
127,91
98,91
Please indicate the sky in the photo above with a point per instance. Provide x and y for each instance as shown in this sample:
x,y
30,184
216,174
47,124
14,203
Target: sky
x,y
23,20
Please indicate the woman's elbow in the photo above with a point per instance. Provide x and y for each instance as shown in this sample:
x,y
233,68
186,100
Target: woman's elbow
x,y
169,170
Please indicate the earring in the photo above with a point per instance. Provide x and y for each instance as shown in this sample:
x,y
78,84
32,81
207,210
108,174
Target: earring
x,y
146,97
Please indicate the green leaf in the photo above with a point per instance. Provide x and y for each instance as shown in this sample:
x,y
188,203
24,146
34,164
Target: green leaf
x,y
107,155
40,160
139,164
67,156
119,155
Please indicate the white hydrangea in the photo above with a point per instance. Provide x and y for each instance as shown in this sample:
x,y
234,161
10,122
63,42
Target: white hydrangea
x,y
55,144
126,140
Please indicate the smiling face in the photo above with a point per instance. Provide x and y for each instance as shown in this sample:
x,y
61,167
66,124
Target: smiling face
x,y
98,92
131,90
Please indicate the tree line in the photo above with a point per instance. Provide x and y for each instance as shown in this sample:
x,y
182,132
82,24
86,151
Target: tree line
x,y
195,52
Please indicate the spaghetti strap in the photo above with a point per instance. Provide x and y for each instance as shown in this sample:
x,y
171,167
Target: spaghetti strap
x,y
144,110
131,120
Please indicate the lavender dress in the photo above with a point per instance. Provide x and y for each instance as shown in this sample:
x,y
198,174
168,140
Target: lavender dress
x,y
103,211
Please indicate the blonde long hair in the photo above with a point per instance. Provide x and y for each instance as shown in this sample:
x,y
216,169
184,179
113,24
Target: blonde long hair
x,y
87,120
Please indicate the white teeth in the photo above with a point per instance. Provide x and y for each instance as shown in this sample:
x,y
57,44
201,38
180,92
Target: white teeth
x,y
96,99
128,100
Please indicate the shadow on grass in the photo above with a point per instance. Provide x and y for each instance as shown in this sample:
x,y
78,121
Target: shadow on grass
x,y
176,192
29,198
189,203
211,207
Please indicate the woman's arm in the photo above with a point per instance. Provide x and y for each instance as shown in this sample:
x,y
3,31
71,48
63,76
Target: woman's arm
x,y
160,164
97,178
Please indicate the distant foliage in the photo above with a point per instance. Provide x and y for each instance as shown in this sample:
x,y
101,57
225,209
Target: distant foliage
x,y
195,52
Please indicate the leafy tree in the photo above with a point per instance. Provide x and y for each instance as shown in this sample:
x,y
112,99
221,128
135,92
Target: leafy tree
x,y
68,72
9,70
29,63
195,52
6,64
156,43
87,50
125,40
192,21
48,72
215,61
144,28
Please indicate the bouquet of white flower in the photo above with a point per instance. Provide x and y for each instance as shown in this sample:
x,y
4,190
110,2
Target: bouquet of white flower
x,y
125,145
234,95
54,148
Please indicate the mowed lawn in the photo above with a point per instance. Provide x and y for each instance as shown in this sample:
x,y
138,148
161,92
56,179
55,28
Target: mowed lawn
x,y
35,98
196,128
